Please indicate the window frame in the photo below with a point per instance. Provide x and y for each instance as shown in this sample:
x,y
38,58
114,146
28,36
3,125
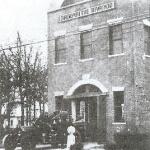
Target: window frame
x,y
121,106
59,102
146,40
58,50
82,45
112,39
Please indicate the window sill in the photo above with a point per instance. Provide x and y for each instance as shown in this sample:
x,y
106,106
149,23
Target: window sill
x,y
59,64
147,56
116,55
84,60
119,123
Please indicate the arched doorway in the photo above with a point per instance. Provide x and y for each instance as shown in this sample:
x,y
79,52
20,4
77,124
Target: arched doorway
x,y
88,110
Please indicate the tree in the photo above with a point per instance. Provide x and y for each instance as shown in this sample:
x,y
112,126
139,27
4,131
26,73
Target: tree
x,y
22,74
7,93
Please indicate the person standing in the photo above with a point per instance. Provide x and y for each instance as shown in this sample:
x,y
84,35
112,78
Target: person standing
x,y
70,137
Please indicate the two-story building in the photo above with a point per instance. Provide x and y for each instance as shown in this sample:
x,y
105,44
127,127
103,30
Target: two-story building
x,y
99,64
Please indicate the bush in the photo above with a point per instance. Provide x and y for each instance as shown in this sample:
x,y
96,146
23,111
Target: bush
x,y
131,140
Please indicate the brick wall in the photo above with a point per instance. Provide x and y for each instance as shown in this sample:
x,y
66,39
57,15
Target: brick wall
x,y
128,70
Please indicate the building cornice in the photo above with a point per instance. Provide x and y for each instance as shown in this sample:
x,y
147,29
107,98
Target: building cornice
x,y
72,5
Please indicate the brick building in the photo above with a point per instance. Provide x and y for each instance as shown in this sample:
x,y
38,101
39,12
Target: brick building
x,y
99,64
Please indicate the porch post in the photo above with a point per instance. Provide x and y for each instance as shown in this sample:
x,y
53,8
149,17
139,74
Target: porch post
x,y
98,112
73,110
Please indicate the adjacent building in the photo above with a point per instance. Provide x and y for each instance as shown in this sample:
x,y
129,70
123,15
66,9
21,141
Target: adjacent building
x,y
99,64
15,115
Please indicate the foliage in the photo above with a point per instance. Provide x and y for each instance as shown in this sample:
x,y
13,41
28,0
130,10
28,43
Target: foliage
x,y
23,80
131,140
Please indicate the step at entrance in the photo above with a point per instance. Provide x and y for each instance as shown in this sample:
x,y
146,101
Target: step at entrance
x,y
93,146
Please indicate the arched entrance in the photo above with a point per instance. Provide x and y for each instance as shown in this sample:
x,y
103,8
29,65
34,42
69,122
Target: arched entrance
x,y
88,110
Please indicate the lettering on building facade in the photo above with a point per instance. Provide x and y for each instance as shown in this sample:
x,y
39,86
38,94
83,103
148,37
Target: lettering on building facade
x,y
87,11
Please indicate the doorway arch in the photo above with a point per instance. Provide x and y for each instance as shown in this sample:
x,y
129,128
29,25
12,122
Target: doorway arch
x,y
88,81
88,107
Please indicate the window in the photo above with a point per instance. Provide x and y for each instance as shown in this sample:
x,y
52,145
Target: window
x,y
147,40
118,106
86,45
80,110
60,50
11,123
115,39
59,102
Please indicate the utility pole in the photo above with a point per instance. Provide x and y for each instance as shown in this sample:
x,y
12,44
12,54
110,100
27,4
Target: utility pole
x,y
19,49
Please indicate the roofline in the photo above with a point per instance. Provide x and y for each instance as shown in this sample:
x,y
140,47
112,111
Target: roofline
x,y
65,7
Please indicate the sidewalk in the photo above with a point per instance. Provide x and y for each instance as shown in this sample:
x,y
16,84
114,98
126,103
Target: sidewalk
x,y
86,146
41,147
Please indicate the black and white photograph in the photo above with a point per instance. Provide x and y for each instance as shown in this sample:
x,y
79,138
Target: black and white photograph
x,y
75,75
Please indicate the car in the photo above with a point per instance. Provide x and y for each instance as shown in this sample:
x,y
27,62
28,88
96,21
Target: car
x,y
48,128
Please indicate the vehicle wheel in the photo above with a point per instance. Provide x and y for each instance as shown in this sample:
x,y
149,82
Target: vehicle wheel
x,y
9,143
27,143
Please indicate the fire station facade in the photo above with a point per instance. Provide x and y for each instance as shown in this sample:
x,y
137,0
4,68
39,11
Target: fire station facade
x,y
99,64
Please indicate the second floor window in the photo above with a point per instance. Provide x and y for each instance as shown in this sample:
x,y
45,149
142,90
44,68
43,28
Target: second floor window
x,y
147,40
60,50
115,39
86,45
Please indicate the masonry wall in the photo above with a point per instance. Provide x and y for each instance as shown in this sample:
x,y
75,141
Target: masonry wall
x,y
125,70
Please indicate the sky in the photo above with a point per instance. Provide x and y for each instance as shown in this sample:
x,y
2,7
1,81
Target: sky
x,y
28,17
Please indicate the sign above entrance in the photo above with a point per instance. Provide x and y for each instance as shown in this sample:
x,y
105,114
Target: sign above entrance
x,y
87,11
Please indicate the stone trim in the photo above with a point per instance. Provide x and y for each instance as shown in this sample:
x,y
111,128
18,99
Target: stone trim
x,y
87,81
84,60
59,93
59,33
117,88
115,21
85,27
119,123
146,22
116,55
145,56
59,64
75,4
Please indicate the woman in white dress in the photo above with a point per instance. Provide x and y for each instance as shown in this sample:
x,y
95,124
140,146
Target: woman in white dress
x,y
70,137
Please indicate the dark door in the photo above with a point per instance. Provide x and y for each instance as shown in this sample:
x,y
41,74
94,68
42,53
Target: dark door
x,y
92,119
101,119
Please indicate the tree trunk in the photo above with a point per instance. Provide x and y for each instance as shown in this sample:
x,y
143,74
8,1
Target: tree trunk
x,y
29,114
8,114
22,113
43,107
22,107
40,107
34,110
